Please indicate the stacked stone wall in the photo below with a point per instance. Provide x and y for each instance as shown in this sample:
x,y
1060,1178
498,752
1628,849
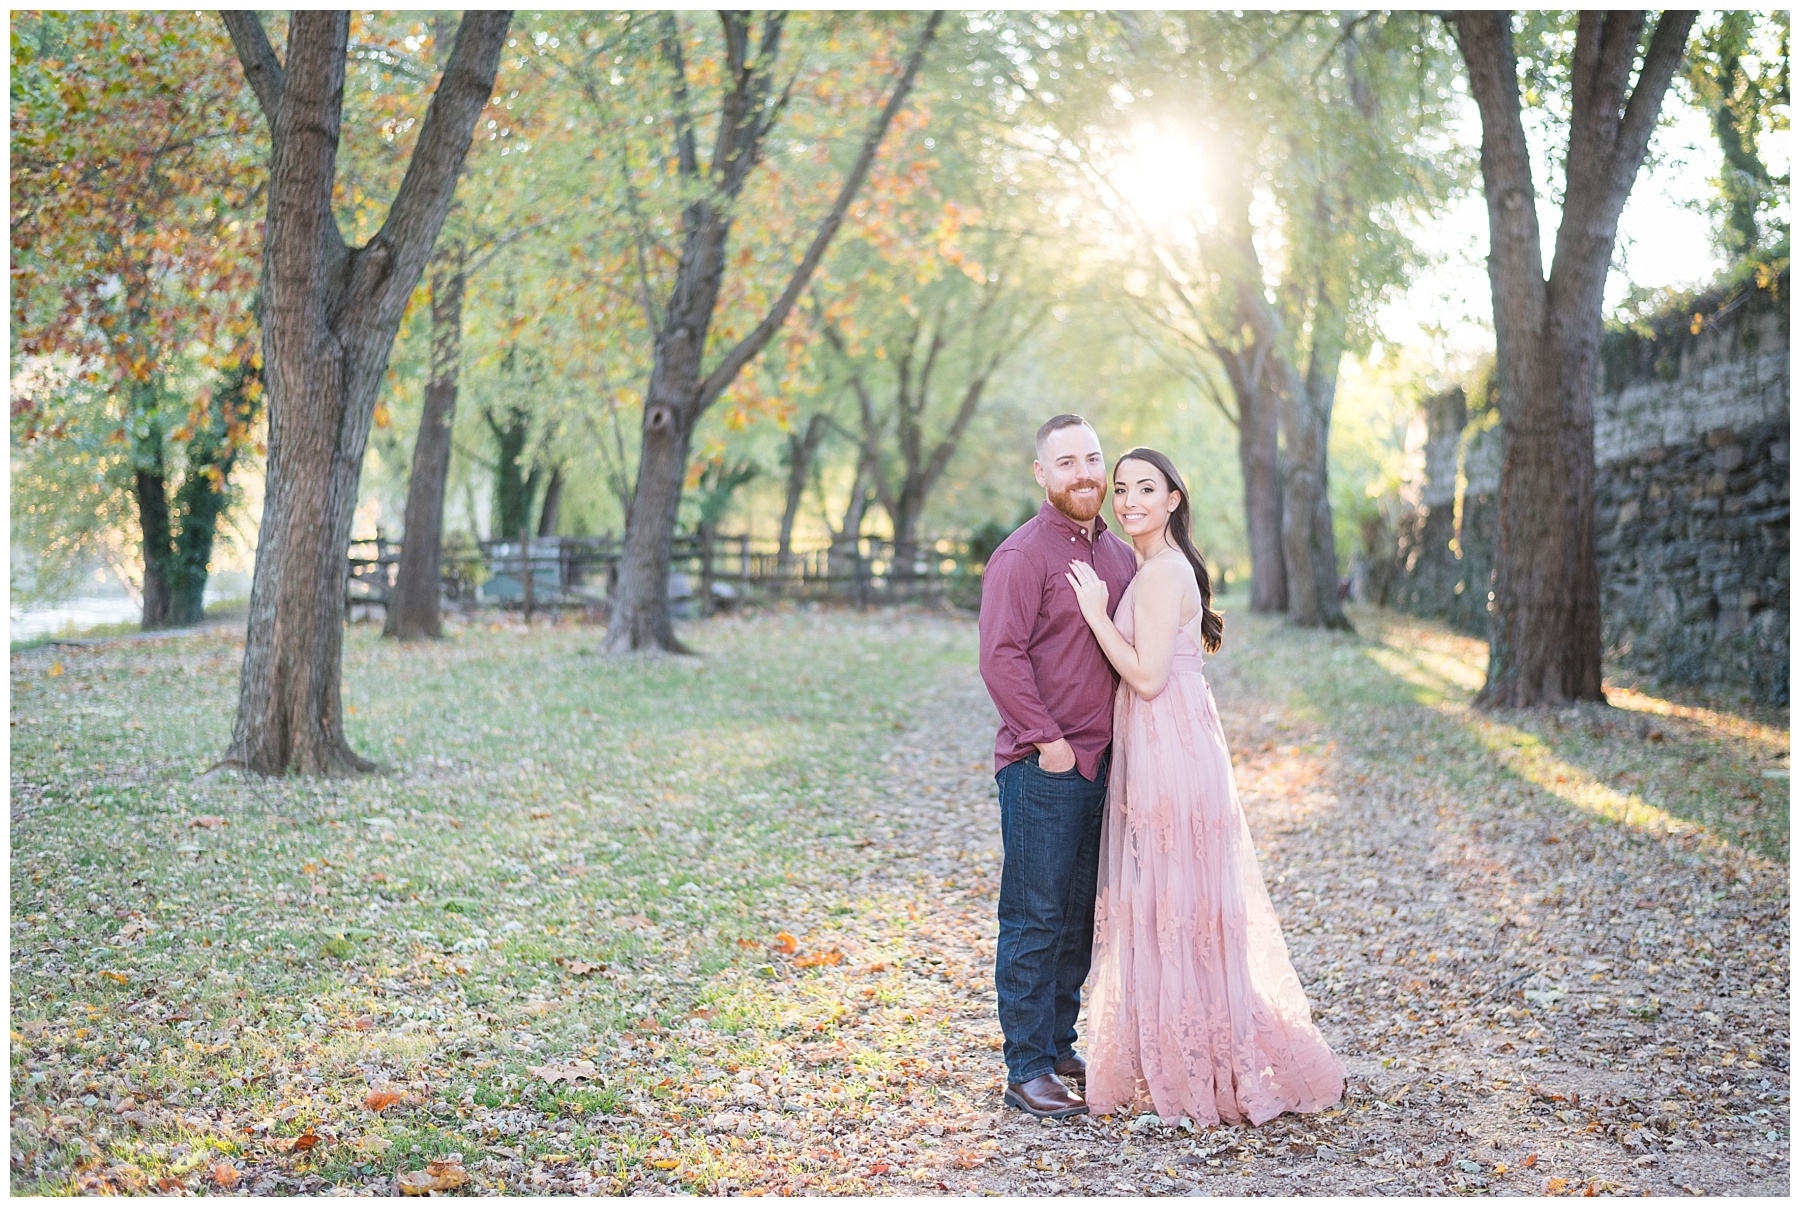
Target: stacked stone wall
x,y
1691,501
1691,497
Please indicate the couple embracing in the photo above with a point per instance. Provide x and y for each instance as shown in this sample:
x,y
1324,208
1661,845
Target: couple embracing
x,y
1127,853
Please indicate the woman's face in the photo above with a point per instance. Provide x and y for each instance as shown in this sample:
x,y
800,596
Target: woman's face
x,y
1142,500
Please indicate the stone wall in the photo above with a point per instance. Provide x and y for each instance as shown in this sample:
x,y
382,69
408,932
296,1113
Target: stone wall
x,y
1691,501
1691,498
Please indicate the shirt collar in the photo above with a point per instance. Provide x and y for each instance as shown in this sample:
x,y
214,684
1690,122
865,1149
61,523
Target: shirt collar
x,y
1047,511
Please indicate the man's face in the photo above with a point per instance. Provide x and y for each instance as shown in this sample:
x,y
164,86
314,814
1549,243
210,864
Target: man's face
x,y
1072,471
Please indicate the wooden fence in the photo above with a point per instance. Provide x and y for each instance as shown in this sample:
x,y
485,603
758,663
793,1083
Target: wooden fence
x,y
706,574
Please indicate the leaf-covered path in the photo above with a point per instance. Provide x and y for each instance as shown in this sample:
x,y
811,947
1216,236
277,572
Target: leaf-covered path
x,y
658,926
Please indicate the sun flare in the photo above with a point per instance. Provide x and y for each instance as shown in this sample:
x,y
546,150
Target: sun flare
x,y
1163,179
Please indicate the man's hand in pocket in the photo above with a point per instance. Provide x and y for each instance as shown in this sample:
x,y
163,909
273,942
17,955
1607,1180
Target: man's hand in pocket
x,y
1056,757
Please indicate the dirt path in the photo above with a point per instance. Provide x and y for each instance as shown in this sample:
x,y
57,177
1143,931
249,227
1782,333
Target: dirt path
x,y
1528,999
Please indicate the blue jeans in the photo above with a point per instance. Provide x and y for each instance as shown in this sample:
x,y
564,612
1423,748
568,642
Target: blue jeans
x,y
1050,829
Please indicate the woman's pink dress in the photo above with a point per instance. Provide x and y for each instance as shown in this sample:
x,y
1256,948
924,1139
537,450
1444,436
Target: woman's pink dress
x,y
1193,1006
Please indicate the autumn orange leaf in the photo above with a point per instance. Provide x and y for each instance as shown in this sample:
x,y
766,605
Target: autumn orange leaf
x,y
785,943
303,1142
815,959
223,1174
437,1175
380,1100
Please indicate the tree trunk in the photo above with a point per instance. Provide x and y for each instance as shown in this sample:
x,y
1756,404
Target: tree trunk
x,y
844,559
412,612
1545,638
552,507
640,605
802,447
203,495
514,487
1325,354
680,388
1259,464
1306,516
153,521
329,316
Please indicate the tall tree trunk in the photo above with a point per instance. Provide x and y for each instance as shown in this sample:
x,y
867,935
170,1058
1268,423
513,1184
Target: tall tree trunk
x,y
1319,387
1259,463
680,388
514,487
1312,590
551,511
329,317
204,492
412,612
158,544
843,559
802,447
1545,638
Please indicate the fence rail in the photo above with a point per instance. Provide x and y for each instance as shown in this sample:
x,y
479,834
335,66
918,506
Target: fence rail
x,y
707,572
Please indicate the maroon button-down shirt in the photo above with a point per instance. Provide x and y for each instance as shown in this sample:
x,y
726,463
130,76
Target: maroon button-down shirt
x,y
1042,666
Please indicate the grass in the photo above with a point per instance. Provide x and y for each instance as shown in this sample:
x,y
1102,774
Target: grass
x,y
274,949
647,864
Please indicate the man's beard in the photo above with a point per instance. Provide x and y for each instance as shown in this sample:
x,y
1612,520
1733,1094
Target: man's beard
x,y
1076,509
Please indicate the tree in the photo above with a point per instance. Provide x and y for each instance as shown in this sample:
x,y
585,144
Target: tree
x,y
135,170
412,611
330,313
514,190
1545,639
799,453
957,335
682,387
1321,137
1743,101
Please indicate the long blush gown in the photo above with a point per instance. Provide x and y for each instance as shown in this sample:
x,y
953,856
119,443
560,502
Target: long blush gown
x,y
1194,1008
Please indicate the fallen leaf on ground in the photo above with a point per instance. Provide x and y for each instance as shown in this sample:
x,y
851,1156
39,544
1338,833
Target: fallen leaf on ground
x,y
785,943
298,1144
437,1175
814,959
380,1100
223,1174
580,967
208,822
134,930
120,977
579,1070
635,922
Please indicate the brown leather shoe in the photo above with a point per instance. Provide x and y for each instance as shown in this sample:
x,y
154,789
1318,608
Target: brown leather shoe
x,y
1045,1097
1073,1069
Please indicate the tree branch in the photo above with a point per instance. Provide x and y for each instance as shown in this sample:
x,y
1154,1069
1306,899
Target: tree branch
x,y
1667,46
753,343
261,68
685,154
417,214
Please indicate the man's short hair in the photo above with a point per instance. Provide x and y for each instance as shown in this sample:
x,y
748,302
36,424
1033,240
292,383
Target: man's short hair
x,y
1057,423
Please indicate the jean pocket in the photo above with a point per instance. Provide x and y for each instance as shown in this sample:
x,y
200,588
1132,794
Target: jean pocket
x,y
1072,773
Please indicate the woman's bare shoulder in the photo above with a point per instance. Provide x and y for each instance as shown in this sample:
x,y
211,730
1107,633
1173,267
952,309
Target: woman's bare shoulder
x,y
1165,575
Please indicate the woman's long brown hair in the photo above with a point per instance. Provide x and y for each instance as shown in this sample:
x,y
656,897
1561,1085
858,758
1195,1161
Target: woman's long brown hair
x,y
1212,624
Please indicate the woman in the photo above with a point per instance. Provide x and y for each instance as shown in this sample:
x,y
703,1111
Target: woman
x,y
1193,1004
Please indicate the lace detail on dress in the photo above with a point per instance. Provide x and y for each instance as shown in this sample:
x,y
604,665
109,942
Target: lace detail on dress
x,y
1194,1006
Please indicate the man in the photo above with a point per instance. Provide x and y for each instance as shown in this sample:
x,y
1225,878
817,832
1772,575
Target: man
x,y
1054,689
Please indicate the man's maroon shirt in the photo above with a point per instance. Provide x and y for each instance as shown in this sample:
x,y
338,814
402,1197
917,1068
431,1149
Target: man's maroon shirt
x,y
1040,661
